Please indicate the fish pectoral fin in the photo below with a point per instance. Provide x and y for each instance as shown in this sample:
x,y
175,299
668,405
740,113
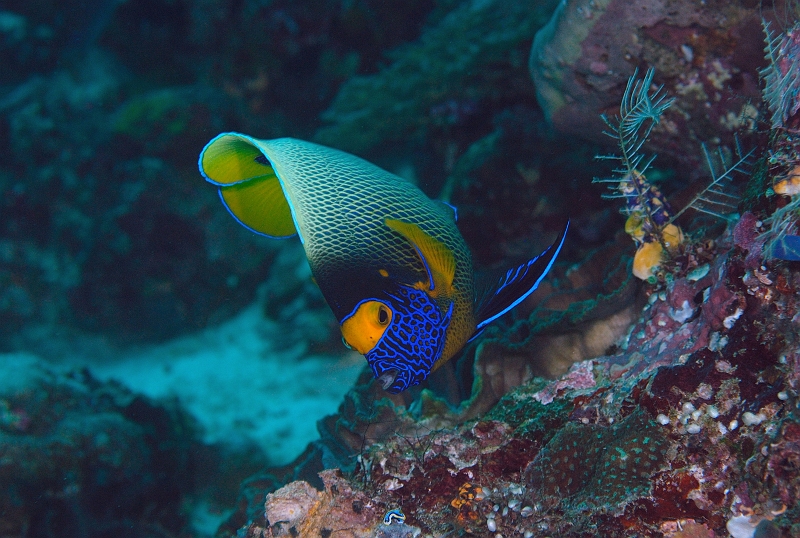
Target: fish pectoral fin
x,y
517,284
438,260
446,323
248,185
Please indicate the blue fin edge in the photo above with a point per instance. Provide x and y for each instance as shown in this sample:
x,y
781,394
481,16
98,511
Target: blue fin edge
x,y
518,273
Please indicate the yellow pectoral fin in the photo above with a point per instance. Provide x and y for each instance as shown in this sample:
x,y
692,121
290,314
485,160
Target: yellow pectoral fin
x,y
364,328
437,258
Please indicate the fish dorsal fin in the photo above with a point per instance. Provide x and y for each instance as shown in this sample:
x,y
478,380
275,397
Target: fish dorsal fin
x,y
438,260
248,185
449,209
517,284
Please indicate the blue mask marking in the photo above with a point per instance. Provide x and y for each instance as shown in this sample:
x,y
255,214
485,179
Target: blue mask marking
x,y
413,341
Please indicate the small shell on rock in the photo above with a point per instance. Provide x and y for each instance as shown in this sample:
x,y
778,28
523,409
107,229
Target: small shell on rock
x,y
698,272
751,419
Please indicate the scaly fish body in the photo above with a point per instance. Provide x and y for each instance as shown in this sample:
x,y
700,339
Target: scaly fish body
x,y
389,261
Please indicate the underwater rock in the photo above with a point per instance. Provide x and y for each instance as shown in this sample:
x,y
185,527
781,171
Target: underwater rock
x,y
290,504
297,509
98,230
85,458
435,77
706,56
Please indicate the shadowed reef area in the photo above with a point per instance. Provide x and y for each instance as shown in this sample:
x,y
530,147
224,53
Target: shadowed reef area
x,y
164,372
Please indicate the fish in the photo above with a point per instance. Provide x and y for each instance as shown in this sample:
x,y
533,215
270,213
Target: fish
x,y
389,261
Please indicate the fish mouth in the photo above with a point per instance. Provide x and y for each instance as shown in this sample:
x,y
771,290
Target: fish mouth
x,y
387,379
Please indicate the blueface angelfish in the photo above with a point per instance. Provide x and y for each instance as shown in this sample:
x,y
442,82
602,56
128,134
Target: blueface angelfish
x,y
389,261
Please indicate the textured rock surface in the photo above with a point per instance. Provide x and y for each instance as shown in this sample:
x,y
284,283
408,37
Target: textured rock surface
x,y
706,54
455,69
84,458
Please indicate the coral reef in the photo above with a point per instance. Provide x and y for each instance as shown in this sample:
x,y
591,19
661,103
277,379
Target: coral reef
x,y
83,458
782,87
454,69
692,423
685,424
605,404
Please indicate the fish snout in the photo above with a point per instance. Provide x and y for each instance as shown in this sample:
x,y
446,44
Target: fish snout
x,y
387,378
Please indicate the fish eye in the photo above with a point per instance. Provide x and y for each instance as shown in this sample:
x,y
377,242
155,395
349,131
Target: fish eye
x,y
383,315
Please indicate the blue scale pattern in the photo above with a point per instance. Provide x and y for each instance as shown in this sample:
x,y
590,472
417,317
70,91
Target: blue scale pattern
x,y
414,340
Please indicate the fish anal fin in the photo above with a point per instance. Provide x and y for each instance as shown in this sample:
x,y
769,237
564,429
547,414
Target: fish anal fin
x,y
517,284
436,257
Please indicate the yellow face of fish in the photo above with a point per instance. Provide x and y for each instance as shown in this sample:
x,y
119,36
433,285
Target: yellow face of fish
x,y
364,329
389,261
